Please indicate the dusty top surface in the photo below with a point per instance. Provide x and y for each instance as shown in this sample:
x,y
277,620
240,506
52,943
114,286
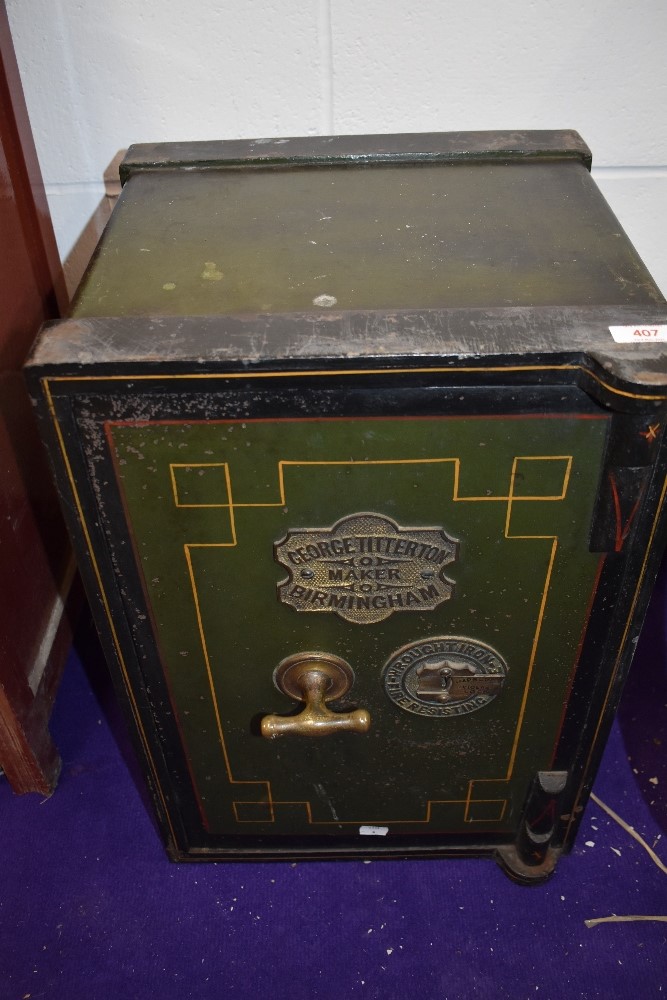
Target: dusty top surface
x,y
271,240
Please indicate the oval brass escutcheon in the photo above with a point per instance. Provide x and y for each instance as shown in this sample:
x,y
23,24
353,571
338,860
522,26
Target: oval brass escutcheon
x,y
315,678
444,676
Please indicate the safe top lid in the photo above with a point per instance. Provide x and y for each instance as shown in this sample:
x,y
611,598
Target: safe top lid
x,y
459,220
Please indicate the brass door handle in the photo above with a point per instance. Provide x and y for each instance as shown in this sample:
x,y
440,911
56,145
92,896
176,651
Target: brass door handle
x,y
315,678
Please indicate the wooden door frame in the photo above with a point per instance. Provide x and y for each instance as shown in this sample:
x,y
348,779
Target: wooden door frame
x,y
36,569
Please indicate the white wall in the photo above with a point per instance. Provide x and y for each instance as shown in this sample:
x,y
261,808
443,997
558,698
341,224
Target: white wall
x,y
101,74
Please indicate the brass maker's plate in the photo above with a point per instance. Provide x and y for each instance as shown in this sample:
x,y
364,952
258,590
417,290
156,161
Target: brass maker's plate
x,y
444,676
365,568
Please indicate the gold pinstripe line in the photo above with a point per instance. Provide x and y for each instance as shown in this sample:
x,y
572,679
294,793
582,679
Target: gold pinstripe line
x,y
209,673
617,663
284,463
365,371
540,617
468,801
368,822
107,610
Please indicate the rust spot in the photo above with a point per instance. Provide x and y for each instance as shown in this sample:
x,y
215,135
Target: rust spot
x,y
652,378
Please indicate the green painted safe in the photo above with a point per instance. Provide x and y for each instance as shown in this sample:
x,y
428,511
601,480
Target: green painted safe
x,y
360,441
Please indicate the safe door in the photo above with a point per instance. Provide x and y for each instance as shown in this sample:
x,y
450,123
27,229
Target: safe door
x,y
348,620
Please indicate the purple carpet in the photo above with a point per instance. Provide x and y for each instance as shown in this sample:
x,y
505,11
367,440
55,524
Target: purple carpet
x,y
91,908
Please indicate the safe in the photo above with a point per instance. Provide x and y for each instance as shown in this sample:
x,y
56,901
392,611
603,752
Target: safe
x,y
360,443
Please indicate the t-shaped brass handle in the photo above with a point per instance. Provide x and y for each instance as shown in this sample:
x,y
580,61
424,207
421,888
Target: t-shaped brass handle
x,y
315,678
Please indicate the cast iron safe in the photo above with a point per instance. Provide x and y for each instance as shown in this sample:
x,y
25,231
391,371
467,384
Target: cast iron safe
x,y
360,440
